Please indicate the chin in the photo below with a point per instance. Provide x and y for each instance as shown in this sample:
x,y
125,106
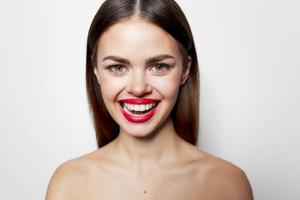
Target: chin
x,y
139,131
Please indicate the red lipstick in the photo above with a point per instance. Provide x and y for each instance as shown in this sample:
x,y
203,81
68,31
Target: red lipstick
x,y
139,101
141,118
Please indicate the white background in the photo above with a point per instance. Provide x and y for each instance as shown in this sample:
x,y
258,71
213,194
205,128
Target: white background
x,y
249,65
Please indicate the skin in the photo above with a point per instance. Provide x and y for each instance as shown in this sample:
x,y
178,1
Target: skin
x,y
147,160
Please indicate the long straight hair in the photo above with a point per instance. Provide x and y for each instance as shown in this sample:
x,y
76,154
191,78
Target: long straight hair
x,y
167,15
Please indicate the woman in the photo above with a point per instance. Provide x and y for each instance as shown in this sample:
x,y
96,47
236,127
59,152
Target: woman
x,y
143,89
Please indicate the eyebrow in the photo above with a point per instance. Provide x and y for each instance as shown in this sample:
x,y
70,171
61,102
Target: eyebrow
x,y
154,59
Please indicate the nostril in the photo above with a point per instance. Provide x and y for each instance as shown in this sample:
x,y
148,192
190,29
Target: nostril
x,y
139,89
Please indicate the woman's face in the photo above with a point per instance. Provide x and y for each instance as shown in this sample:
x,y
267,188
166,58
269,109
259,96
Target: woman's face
x,y
139,69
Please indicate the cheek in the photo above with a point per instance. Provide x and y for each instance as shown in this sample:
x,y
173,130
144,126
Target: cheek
x,y
110,87
168,86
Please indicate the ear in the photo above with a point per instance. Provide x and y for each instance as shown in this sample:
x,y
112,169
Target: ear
x,y
96,73
185,74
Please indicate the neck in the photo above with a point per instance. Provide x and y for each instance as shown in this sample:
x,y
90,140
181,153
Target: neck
x,y
148,152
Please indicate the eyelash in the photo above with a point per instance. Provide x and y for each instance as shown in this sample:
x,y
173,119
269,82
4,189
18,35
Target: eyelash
x,y
111,67
165,66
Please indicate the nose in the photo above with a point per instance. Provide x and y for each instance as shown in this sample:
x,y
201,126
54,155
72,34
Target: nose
x,y
138,85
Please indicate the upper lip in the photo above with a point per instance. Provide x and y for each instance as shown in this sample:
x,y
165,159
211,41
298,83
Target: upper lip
x,y
139,101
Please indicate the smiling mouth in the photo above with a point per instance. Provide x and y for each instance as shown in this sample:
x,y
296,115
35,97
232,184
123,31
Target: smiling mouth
x,y
138,109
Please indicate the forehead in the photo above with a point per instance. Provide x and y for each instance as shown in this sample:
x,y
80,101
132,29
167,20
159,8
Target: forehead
x,y
134,37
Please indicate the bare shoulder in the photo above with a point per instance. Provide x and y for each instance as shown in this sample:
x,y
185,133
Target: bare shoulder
x,y
223,179
72,176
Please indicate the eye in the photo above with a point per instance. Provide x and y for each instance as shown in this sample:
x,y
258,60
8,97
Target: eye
x,y
160,68
116,69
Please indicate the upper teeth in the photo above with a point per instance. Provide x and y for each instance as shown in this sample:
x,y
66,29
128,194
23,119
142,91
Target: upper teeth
x,y
139,107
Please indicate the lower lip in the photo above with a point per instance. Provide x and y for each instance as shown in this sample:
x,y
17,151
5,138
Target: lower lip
x,y
138,119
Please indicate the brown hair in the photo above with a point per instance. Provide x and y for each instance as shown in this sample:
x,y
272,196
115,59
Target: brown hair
x,y
167,15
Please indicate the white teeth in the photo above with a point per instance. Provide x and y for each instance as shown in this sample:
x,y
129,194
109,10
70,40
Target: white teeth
x,y
131,107
136,108
126,110
140,107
